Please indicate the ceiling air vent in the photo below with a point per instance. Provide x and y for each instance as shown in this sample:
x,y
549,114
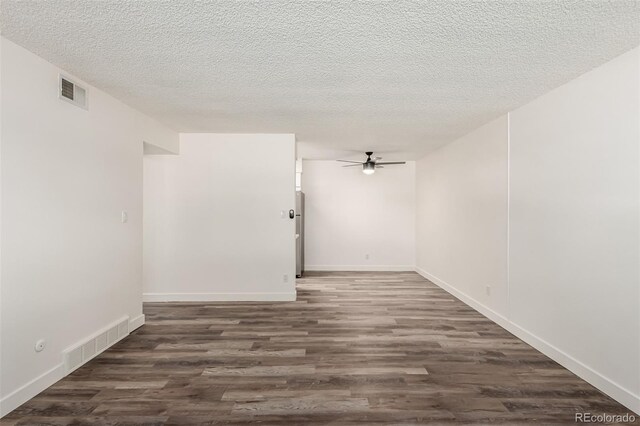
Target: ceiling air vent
x,y
71,92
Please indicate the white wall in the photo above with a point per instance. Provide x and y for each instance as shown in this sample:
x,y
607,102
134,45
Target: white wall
x,y
350,215
213,228
462,214
69,266
2,410
573,220
573,224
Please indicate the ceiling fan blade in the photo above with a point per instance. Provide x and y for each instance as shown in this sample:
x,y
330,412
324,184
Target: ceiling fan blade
x,y
376,159
348,161
353,165
392,162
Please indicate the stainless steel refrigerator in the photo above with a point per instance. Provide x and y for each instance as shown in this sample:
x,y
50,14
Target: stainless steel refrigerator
x,y
299,233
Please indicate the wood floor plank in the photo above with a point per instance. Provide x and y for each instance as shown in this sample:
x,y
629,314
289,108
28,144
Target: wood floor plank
x,y
355,348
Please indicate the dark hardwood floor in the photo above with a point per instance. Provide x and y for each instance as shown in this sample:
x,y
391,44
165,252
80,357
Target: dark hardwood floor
x,y
361,348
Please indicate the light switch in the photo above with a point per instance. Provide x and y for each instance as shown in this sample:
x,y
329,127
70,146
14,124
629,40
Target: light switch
x,y
125,216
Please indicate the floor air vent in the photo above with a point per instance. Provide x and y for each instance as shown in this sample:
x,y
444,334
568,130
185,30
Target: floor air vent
x,y
71,92
81,353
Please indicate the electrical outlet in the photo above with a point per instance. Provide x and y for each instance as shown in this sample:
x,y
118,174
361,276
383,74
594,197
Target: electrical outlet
x,y
366,256
488,290
285,278
124,217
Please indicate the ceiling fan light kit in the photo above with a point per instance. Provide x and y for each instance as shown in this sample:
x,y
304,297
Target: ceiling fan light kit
x,y
369,168
371,164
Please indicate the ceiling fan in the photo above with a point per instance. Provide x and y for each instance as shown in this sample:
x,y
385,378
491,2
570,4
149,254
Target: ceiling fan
x,y
371,164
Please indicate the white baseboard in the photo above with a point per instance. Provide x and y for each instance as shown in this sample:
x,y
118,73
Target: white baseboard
x,y
42,382
615,391
361,268
220,297
31,389
136,322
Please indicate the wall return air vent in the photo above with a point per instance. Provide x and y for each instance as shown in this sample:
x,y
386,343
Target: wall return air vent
x,y
69,91
94,345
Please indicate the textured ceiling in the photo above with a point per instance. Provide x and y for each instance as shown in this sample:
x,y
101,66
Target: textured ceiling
x,y
399,77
